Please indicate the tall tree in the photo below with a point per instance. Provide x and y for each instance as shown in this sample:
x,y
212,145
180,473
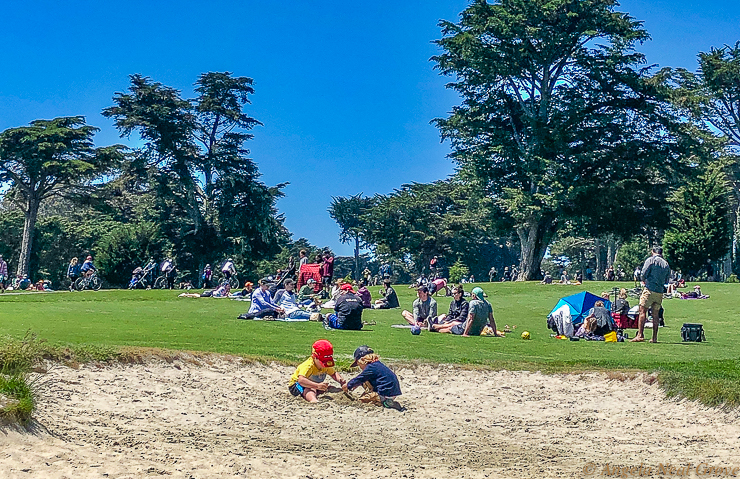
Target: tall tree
x,y
700,227
202,172
711,97
348,213
554,107
47,158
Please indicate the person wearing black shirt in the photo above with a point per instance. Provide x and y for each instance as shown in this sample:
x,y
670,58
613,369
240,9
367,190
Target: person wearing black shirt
x,y
458,313
347,311
389,299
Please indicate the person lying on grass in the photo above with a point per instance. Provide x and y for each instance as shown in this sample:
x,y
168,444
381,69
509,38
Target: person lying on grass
x,y
379,382
308,379
220,292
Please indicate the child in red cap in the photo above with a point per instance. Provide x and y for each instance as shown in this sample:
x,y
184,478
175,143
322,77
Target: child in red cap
x,y
308,379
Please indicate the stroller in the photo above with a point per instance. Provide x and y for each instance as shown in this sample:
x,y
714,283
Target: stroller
x,y
138,278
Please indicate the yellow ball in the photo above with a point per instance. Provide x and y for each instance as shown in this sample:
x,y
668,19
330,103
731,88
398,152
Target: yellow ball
x,y
525,335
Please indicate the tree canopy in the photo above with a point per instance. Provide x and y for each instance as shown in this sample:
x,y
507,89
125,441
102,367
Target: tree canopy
x,y
48,158
557,112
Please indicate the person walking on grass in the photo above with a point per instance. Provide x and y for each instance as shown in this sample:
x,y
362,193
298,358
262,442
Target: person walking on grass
x,y
3,274
655,274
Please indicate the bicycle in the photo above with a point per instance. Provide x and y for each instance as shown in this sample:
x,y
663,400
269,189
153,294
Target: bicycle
x,y
233,281
161,281
92,282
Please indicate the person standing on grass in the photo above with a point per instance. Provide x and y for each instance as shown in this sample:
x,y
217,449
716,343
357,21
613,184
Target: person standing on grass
x,y
3,274
424,307
327,271
655,274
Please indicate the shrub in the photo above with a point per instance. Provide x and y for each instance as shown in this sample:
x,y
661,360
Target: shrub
x,y
458,271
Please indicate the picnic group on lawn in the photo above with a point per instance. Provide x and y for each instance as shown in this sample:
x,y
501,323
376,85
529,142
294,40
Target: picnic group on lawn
x,y
281,297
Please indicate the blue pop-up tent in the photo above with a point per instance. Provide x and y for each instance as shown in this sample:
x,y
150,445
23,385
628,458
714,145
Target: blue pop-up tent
x,y
580,304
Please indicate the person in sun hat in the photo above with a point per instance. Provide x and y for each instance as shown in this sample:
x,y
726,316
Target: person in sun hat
x,y
480,314
347,311
379,382
308,379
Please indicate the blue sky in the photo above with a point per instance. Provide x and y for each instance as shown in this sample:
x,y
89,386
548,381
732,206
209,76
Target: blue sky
x,y
345,90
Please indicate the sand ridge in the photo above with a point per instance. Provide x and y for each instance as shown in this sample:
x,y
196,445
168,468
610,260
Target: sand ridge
x,y
230,418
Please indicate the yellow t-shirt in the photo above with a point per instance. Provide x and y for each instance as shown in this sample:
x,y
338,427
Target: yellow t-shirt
x,y
308,368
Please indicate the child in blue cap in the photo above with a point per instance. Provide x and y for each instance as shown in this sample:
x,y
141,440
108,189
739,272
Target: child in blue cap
x,y
375,377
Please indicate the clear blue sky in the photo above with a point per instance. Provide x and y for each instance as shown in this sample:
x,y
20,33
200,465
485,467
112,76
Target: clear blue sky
x,y
345,89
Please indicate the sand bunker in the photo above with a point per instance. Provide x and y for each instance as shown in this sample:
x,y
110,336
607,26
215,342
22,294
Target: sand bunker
x,y
233,419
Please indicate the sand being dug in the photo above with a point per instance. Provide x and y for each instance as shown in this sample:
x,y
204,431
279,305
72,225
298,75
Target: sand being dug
x,y
232,419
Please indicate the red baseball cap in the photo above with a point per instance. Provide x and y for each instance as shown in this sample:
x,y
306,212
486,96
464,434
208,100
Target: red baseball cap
x,y
346,287
324,352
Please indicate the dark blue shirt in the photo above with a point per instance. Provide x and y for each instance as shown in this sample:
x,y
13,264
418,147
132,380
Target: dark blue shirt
x,y
383,380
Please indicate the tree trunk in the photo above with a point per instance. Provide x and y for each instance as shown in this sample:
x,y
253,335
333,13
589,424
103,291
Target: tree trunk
x,y
357,258
29,226
534,238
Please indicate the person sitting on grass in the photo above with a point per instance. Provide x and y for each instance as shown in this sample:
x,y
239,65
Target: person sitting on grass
x,y
308,379
364,294
262,304
621,305
599,321
547,279
287,299
307,291
379,382
424,307
459,309
347,311
480,315
389,299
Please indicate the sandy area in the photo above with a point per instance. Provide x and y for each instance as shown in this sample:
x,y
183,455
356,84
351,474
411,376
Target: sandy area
x,y
229,418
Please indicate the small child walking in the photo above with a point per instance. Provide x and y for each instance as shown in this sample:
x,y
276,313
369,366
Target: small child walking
x,y
379,382
308,379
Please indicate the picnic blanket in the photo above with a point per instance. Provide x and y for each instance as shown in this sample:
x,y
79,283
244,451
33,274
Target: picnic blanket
x,y
285,320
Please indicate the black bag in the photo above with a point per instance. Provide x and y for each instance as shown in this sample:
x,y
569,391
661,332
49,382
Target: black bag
x,y
692,332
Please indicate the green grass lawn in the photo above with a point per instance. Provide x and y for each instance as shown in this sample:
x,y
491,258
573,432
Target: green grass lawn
x,y
707,371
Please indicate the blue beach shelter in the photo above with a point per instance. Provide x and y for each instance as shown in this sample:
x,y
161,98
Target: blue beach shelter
x,y
580,304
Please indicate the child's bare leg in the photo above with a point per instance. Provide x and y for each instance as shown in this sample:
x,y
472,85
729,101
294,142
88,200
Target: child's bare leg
x,y
310,395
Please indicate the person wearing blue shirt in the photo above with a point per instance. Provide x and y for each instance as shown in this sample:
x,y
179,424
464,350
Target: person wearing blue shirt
x,y
375,378
88,268
262,303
